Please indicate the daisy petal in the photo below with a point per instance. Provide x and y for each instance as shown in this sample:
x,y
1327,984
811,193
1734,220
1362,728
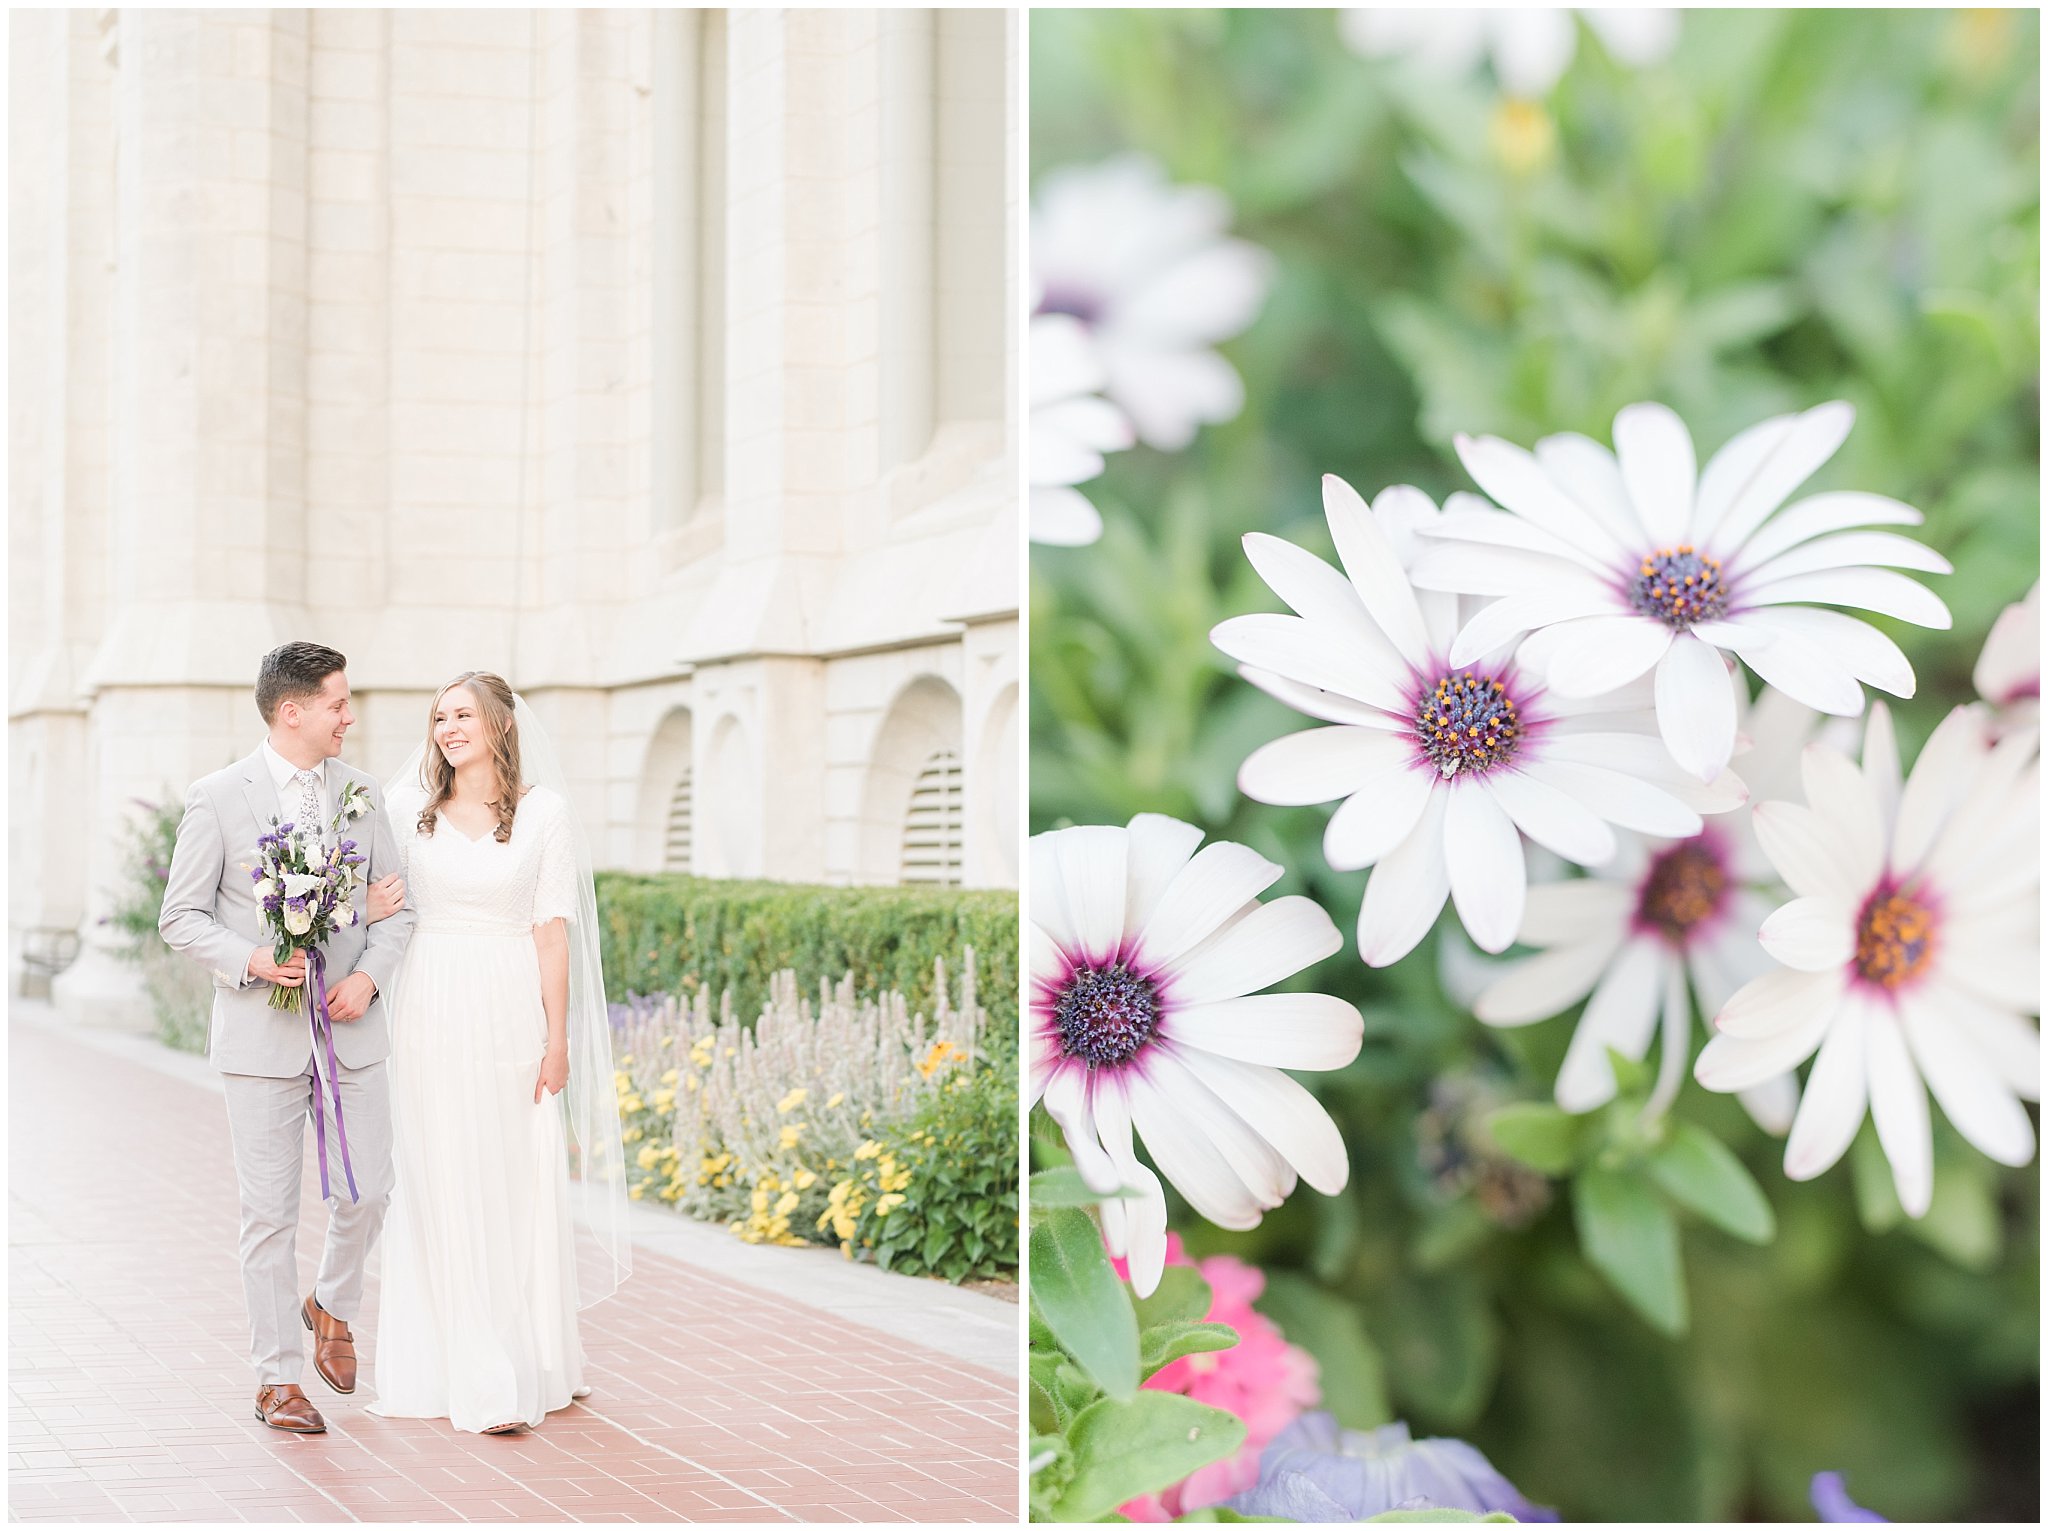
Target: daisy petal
x,y
1805,671
1222,878
1319,594
1805,849
1183,1126
1369,559
1763,478
1501,621
1500,529
1810,934
1727,1064
1696,707
1319,656
1553,820
1088,878
1898,1102
1374,820
1771,1105
1280,1111
1141,1219
1837,1091
1778,1002
1274,941
1658,466
1618,798
1971,1095
1574,911
2006,1041
1840,793
1605,653
1489,876
1159,848
1477,568
1513,479
1854,644
1406,892
1547,984
1881,765
1816,516
1587,471
1321,763
1621,1015
1066,1102
1314,702
1288,1031
1853,550
1941,777
1879,590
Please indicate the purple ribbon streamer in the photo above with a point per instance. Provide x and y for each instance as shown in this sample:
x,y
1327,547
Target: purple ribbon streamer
x,y
323,1030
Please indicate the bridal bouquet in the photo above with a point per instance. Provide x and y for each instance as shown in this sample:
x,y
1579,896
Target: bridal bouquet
x,y
306,892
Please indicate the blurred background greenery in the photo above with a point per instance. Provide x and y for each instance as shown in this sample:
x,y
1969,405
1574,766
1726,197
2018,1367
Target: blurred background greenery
x,y
1795,206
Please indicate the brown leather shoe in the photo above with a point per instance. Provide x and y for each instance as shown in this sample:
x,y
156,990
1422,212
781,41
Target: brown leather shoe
x,y
334,1348
284,1407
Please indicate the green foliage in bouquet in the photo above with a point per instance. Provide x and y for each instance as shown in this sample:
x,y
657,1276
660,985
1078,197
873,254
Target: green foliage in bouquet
x,y
671,934
1797,206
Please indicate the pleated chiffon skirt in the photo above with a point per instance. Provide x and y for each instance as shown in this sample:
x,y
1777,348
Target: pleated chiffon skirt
x,y
477,1319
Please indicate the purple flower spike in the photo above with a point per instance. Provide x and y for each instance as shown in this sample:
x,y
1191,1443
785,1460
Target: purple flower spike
x,y
284,829
1315,1471
1831,1501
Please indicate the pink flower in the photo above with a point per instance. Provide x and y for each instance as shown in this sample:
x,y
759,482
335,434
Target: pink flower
x,y
1262,1379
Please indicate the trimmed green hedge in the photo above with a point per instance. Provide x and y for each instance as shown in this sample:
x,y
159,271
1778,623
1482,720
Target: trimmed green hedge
x,y
671,934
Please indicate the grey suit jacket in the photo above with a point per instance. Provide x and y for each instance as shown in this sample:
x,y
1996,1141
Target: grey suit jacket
x,y
211,915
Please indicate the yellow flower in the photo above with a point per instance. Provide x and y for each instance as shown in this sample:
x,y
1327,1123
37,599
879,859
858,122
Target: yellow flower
x,y
805,1180
867,1150
940,1053
791,1101
835,1100
649,1157
631,1135
664,1099
887,1204
690,1083
634,1194
632,1103
787,1204
671,1076
791,1134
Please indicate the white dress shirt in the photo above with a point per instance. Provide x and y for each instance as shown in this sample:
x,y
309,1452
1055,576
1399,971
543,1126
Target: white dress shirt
x,y
291,800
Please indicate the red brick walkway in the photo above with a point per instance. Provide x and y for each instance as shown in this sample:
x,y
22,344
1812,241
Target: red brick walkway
x,y
130,1394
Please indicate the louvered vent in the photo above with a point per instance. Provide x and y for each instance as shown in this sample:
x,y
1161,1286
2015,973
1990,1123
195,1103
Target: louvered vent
x,y
932,834
675,855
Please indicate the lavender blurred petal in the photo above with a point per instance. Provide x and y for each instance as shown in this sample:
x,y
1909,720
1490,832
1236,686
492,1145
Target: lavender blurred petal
x,y
1831,1501
1313,1470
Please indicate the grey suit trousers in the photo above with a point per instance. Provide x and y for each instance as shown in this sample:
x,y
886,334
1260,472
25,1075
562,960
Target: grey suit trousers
x,y
269,1120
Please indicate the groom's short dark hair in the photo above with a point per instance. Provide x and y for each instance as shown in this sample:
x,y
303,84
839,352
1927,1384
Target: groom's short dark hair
x,y
293,672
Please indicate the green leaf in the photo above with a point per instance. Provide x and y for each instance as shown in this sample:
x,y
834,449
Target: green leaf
x,y
1162,1344
1540,1135
1182,1296
1064,1187
1125,1447
1697,1170
1436,1517
1216,1515
1333,1331
1077,1293
1631,1238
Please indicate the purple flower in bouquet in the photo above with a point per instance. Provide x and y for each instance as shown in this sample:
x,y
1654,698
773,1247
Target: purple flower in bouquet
x,y
1831,1501
1316,1471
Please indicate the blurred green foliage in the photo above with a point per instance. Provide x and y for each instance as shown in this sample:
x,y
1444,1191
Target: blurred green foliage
x,y
1796,206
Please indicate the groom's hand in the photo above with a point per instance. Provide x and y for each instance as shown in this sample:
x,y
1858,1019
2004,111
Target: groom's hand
x,y
286,976
347,1000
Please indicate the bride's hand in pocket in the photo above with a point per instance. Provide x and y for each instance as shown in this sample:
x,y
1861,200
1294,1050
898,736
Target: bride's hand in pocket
x,y
554,1071
387,897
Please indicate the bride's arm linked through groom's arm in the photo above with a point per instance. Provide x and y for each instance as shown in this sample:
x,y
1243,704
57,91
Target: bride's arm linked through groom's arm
x,y
384,946
189,920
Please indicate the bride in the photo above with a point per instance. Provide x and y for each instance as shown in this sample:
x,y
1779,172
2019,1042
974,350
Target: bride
x,y
497,1011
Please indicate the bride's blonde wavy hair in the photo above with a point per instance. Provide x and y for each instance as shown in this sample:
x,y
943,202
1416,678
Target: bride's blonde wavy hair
x,y
494,709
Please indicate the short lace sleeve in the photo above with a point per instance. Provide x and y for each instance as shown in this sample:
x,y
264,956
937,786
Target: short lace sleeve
x,y
554,892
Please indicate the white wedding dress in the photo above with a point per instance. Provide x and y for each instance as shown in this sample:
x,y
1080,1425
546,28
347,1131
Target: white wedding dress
x,y
477,1321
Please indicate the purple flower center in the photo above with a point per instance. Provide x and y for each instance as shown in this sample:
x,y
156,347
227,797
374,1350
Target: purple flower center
x,y
1679,587
1086,307
1685,888
1894,939
1106,1015
1467,723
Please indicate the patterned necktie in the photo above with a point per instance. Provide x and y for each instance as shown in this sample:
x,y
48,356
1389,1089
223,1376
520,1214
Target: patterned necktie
x,y
309,806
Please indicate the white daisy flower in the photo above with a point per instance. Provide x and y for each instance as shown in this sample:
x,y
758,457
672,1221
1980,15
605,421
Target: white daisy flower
x,y
2008,674
1530,48
1665,923
1440,762
1146,267
1911,953
1623,566
1146,961
1070,430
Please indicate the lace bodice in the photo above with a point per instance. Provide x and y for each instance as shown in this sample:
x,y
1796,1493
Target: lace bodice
x,y
481,887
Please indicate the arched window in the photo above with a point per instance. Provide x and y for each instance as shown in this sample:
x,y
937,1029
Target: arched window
x,y
932,829
675,855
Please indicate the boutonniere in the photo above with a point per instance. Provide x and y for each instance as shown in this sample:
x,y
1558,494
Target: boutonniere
x,y
355,802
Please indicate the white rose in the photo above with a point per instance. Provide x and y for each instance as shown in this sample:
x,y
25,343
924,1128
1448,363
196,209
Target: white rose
x,y
266,889
300,884
348,914
298,921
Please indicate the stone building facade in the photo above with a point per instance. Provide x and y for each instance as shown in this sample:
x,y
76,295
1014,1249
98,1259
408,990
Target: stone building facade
x,y
660,360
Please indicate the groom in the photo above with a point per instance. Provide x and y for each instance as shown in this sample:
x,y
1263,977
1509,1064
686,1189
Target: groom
x,y
266,1056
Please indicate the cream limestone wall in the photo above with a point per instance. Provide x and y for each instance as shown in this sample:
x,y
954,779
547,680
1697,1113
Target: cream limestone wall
x,y
661,361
